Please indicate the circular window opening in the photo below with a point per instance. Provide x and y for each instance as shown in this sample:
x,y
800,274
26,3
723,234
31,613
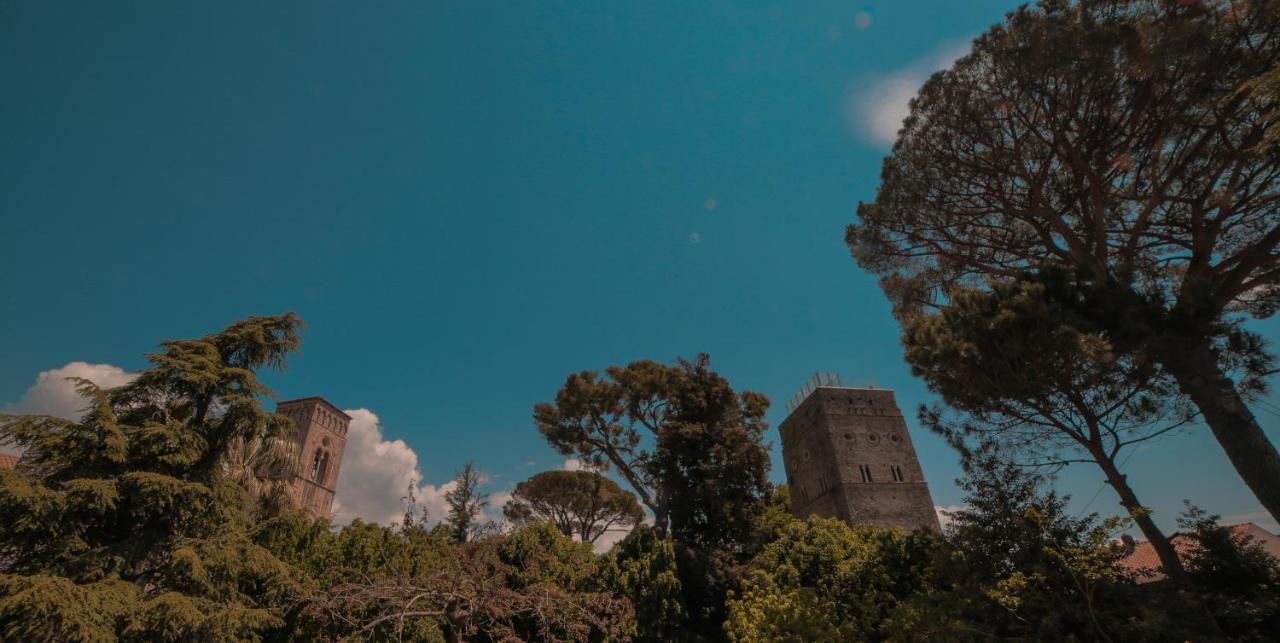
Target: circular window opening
x,y
895,438
848,436
873,437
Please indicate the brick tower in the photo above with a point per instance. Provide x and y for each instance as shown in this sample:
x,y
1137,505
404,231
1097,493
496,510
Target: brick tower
x,y
321,439
848,455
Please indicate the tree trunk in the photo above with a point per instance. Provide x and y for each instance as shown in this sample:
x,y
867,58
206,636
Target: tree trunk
x,y
1169,560
1194,366
1129,500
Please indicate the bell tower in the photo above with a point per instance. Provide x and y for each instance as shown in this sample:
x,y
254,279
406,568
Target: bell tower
x,y
848,455
321,439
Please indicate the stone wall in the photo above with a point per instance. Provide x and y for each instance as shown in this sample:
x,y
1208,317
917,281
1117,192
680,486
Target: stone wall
x,y
848,455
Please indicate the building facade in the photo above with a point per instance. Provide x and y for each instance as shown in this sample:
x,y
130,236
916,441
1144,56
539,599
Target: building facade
x,y
321,439
848,455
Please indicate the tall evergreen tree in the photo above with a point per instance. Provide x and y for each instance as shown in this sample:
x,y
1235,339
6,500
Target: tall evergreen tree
x,y
466,503
127,522
693,450
1017,565
1132,142
1041,381
689,445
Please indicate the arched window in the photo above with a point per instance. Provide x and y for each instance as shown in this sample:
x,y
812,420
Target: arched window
x,y
320,466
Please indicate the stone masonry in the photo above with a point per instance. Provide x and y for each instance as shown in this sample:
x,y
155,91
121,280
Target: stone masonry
x,y
848,455
321,439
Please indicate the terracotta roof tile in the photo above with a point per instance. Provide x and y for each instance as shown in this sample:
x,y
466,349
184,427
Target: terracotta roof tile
x,y
1145,564
8,461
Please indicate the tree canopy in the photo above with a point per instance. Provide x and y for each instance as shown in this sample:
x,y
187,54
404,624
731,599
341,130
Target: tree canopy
x,y
1039,380
822,580
466,503
123,526
581,504
674,433
1129,142
691,447
126,523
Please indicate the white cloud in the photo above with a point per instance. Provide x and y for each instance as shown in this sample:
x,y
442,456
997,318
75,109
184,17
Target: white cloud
x,y
878,106
944,514
54,394
376,473
608,539
497,500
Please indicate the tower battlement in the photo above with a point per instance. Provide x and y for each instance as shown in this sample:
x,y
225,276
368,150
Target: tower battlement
x,y
848,455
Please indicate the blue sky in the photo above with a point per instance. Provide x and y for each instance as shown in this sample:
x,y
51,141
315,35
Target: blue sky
x,y
467,201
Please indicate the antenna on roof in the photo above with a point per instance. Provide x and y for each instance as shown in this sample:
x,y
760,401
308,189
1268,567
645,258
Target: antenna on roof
x,y
817,381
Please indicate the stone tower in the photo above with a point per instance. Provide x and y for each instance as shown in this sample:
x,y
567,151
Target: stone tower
x,y
321,440
848,455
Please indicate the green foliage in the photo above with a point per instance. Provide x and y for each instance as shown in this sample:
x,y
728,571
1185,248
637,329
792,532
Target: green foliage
x,y
978,350
822,580
1095,134
710,459
642,567
173,616
52,608
1023,369
1238,579
1015,564
466,502
674,433
1124,142
125,522
581,504
693,451
541,555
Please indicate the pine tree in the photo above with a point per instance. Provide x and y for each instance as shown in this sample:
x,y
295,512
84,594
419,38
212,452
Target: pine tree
x,y
581,504
128,522
1130,142
466,503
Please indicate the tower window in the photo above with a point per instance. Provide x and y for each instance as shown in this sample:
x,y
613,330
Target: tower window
x,y
896,472
320,466
895,438
866,472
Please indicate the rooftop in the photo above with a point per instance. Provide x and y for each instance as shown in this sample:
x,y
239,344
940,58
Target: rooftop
x,y
315,398
1145,564
822,380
